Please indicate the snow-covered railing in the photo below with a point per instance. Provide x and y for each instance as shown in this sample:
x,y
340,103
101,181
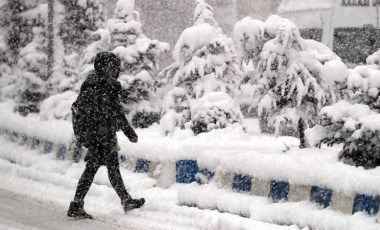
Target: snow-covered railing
x,y
283,178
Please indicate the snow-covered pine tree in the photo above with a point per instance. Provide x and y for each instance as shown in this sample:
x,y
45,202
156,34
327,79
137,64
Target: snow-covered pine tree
x,y
205,63
81,18
283,72
31,77
139,55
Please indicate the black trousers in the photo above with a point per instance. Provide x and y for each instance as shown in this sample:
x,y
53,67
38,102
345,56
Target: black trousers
x,y
87,178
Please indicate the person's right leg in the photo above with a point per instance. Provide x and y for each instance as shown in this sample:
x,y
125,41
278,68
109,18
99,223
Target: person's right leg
x,y
76,207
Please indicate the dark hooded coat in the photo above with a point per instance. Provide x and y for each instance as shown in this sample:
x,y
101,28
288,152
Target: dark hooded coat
x,y
99,101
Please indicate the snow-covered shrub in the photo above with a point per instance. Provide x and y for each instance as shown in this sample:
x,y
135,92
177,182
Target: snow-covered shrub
x,y
139,59
354,125
337,122
58,106
215,110
140,102
363,147
205,62
285,73
363,83
31,79
176,110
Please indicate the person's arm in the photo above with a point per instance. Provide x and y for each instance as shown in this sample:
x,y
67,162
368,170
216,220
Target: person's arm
x,y
122,121
126,127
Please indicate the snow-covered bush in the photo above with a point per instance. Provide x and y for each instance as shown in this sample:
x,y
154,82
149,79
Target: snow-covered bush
x,y
31,77
215,110
58,106
176,109
354,125
139,58
285,73
363,147
363,83
205,62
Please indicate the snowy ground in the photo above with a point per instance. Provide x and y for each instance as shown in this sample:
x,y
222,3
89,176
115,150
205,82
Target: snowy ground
x,y
35,192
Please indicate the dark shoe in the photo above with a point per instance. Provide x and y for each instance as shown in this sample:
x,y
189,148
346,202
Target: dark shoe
x,y
76,211
132,204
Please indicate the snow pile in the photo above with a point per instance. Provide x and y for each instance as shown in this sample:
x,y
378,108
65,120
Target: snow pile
x,y
287,71
334,71
205,62
58,106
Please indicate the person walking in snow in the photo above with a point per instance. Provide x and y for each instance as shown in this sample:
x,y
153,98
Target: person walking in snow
x,y
97,116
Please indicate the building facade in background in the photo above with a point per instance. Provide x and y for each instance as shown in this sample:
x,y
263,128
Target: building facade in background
x,y
349,27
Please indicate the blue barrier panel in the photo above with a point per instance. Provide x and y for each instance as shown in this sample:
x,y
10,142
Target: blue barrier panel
x,y
48,146
242,183
77,153
142,166
205,176
61,153
321,196
365,203
24,139
35,143
186,171
279,191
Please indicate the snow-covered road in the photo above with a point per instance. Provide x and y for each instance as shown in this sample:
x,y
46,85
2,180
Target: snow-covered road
x,y
35,191
23,212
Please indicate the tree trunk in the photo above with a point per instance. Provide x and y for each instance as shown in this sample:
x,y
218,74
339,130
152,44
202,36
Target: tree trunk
x,y
50,45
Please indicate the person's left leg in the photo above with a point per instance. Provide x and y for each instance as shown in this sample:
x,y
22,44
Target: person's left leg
x,y
76,209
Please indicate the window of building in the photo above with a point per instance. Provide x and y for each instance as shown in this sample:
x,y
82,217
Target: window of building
x,y
356,2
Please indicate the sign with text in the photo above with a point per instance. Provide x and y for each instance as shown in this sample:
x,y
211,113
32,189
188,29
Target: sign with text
x,y
356,2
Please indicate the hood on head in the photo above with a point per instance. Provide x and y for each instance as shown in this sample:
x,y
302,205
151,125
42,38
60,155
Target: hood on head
x,y
107,64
